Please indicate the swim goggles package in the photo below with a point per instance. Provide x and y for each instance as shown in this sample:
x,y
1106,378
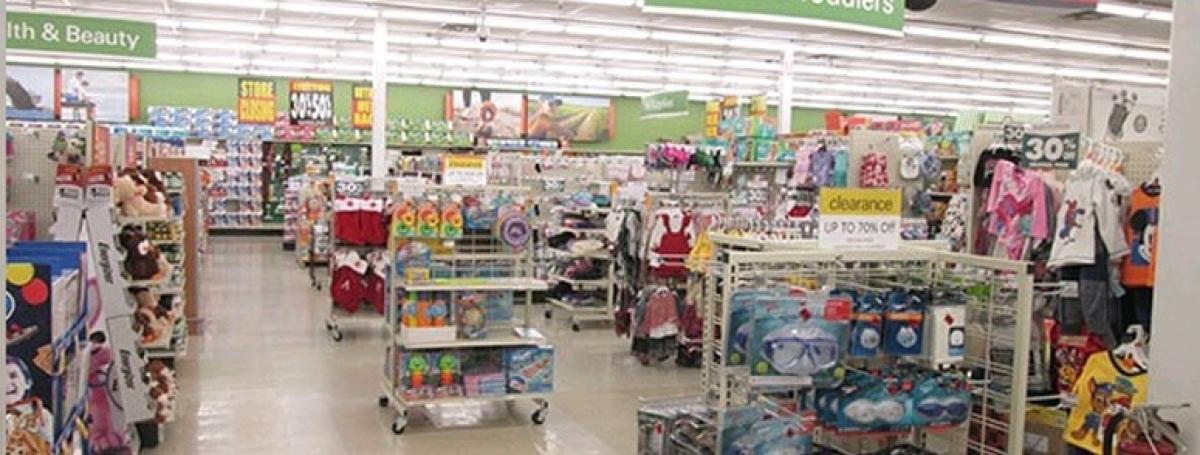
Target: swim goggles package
x,y
866,326
799,336
896,399
904,323
941,400
741,322
736,429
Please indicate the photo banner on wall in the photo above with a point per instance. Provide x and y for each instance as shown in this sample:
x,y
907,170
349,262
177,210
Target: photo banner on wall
x,y
94,94
30,93
486,114
876,16
361,100
79,34
310,102
672,103
570,118
256,101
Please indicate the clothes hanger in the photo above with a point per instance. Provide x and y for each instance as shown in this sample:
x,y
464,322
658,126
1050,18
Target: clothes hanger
x,y
1134,348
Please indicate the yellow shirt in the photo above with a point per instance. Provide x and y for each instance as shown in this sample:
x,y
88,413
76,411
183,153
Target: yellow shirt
x,y
1106,386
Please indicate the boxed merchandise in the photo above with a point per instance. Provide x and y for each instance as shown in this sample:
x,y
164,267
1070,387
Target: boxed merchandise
x,y
426,318
415,370
483,372
530,369
448,370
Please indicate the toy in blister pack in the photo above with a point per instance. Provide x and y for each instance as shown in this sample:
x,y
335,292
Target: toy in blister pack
x,y
530,369
741,323
416,369
404,219
513,227
451,220
483,372
941,400
736,436
784,435
428,219
498,306
470,316
866,332
904,325
449,374
871,404
477,214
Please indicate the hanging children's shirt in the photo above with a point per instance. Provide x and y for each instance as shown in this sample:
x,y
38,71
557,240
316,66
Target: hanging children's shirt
x,y
1091,206
1141,230
670,243
822,166
1017,204
1107,386
987,162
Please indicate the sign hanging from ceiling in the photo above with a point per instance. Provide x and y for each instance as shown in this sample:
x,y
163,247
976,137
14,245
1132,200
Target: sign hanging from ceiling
x,y
310,102
885,16
360,106
79,34
665,104
1058,151
256,101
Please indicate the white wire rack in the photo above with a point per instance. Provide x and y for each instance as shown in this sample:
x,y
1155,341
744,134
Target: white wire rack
x,y
999,323
346,187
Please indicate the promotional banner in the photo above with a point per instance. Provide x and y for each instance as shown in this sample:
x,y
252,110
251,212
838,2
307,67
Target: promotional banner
x,y
310,102
486,114
360,106
256,101
1058,151
94,94
30,93
570,118
859,218
884,15
712,118
85,35
666,104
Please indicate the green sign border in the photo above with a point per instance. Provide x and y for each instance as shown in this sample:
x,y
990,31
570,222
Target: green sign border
x,y
49,32
831,13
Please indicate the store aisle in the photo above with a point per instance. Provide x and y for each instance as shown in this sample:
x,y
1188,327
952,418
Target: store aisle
x,y
265,379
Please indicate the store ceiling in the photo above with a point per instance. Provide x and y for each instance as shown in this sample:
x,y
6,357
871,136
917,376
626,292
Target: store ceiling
x,y
962,54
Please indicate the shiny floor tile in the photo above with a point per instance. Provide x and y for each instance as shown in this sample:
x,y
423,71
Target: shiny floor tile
x,y
265,378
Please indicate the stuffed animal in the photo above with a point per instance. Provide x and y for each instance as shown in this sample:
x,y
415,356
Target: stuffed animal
x,y
141,256
153,322
130,193
162,390
103,436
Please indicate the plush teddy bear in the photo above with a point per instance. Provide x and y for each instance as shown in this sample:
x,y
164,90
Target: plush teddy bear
x,y
136,198
162,390
141,256
151,320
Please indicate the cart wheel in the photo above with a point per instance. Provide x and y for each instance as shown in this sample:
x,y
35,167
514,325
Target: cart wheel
x,y
549,314
318,286
399,425
328,325
575,326
335,334
539,416
383,402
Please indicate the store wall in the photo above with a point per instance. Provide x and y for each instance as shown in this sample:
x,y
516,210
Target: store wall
x,y
631,132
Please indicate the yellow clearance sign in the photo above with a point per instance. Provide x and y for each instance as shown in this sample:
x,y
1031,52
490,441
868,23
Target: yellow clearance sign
x,y
360,106
860,202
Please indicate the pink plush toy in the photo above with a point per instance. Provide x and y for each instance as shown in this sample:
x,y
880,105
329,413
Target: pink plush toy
x,y
104,438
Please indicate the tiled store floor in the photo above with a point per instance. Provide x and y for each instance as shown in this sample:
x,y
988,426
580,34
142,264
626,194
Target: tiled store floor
x,y
264,378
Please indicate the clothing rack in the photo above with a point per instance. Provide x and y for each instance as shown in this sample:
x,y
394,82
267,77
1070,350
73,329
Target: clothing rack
x,y
356,188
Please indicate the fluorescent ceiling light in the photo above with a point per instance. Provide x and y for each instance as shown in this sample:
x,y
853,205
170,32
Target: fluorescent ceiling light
x,y
508,64
520,23
327,8
223,26
427,16
759,44
694,60
943,33
1134,11
1006,39
413,40
314,32
1084,47
606,31
550,49
569,68
247,4
1162,56
690,38
490,45
631,56
634,73
302,50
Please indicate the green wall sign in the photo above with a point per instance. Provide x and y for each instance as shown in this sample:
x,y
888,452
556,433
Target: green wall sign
x,y
887,15
665,104
86,35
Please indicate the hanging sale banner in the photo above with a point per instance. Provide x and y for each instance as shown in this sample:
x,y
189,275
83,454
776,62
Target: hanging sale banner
x,y
712,118
858,218
360,106
1050,150
665,104
310,102
256,101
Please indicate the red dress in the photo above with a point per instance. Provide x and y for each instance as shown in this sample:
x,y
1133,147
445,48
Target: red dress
x,y
674,246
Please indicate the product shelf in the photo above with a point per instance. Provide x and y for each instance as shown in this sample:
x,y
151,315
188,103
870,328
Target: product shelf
x,y
600,255
600,283
476,284
512,338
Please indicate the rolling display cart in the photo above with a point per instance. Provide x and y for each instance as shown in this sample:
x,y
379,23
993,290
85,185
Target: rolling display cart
x,y
349,232
453,337
589,299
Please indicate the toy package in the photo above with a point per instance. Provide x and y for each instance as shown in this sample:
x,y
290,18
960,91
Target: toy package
x,y
483,372
404,219
452,220
530,369
741,317
428,219
791,435
416,381
904,323
448,370
477,214
425,309
471,316
799,336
